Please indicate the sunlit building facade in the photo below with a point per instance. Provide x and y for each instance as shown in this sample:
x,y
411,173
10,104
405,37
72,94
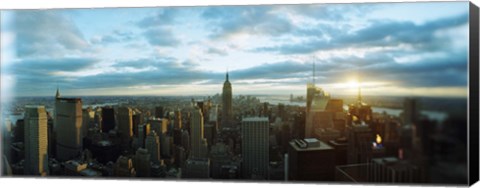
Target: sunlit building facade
x,y
36,141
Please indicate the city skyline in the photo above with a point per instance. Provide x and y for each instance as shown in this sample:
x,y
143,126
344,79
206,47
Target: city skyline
x,y
266,49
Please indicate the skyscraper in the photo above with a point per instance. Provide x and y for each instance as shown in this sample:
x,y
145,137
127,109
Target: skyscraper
x,y
152,144
197,140
178,119
227,109
88,120
142,163
159,112
198,164
317,116
68,126
255,134
360,138
310,91
124,167
6,139
410,111
36,141
125,125
108,119
310,160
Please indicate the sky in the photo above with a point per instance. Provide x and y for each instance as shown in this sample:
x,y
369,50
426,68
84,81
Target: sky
x,y
392,49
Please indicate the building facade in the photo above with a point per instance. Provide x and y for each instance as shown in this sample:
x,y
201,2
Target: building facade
x,y
227,108
255,147
68,128
36,141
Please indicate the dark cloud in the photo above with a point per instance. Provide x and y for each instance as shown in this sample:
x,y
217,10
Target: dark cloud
x,y
46,32
161,72
49,65
255,20
35,75
217,51
161,37
427,72
378,34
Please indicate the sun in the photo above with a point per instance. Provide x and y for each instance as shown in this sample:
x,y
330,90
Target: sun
x,y
352,84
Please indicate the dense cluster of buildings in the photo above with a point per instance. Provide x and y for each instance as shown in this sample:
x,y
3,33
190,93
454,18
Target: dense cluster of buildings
x,y
324,141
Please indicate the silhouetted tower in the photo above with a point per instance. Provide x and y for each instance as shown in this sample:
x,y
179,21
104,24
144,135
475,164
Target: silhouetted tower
x,y
227,110
68,124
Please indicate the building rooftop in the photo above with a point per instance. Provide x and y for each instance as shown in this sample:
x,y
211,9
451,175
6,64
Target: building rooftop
x,y
64,99
313,144
34,109
90,172
255,119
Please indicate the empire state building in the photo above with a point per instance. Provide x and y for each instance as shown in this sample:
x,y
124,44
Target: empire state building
x,y
227,111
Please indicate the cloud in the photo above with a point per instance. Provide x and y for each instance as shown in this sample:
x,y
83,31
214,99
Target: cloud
x,y
165,16
277,70
46,32
254,20
161,37
47,65
153,71
378,33
36,75
330,12
427,72
114,37
217,51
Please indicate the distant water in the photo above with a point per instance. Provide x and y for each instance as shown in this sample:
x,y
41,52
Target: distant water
x,y
275,100
434,115
14,117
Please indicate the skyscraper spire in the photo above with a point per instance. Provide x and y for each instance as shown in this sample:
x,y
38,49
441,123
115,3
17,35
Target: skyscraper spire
x,y
57,95
359,97
359,94
227,75
313,82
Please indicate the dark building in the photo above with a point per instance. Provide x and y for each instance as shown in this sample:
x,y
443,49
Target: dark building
x,y
219,156
103,150
340,147
159,113
68,127
227,108
51,138
299,123
410,111
310,160
281,112
137,119
108,119
393,170
360,138
19,131
210,133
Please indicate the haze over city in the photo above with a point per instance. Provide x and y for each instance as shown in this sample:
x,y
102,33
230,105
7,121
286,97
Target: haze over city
x,y
266,50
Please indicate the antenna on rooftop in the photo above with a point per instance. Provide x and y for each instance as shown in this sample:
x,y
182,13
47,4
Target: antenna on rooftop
x,y
313,79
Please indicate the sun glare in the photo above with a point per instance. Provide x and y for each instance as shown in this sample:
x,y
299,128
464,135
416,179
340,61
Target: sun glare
x,y
352,84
